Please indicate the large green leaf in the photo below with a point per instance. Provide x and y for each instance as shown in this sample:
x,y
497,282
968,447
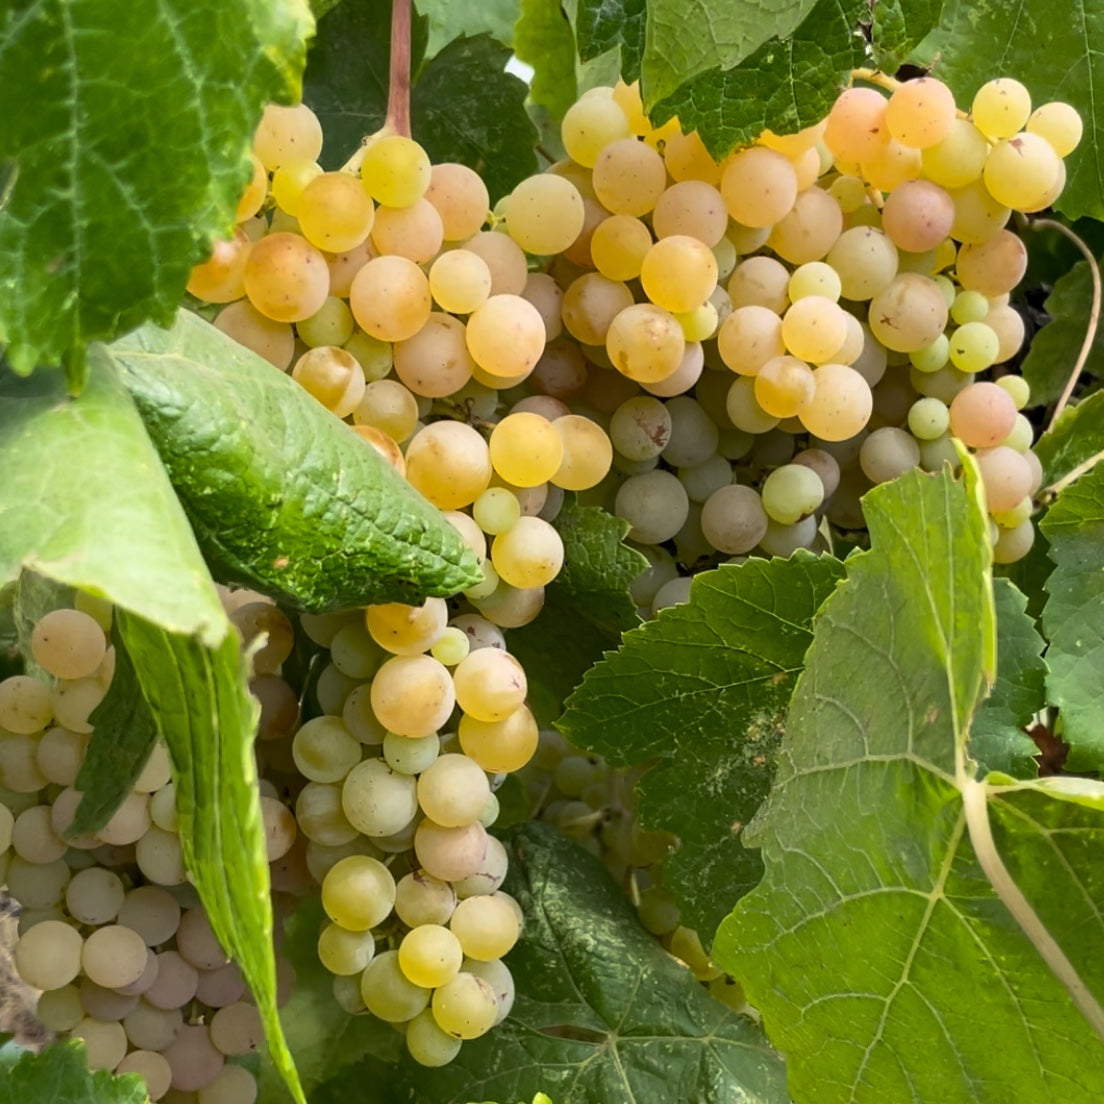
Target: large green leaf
x,y
897,26
1076,437
917,934
449,20
85,501
702,689
1073,618
1057,53
601,25
283,496
60,1075
603,1014
200,700
543,39
126,155
997,739
1054,348
464,105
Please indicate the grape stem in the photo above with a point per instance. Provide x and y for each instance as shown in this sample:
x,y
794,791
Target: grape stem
x,y
1057,488
875,77
1094,315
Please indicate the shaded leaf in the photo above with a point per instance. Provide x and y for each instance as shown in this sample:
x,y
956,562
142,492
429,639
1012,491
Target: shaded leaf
x,y
282,495
544,40
449,20
875,824
200,701
1073,618
703,688
1054,348
997,739
1058,55
59,1074
602,25
1077,436
898,26
127,155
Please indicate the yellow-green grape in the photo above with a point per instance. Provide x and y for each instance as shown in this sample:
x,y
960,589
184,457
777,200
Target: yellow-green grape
x,y
331,324
345,952
849,192
324,750
1018,388
619,245
526,449
450,463
544,214
759,186
958,159
335,213
506,336
528,554
48,956
407,630
390,299
1019,513
412,695
1001,107
1021,171
857,128
743,408
982,415
813,329
783,386
698,324
220,279
841,404
928,419
887,453
750,337
933,357
453,790
410,755
679,273
943,385
1059,123
1021,435
388,993
395,170
497,509
629,177
332,376
791,492
358,893
500,746
466,1007
978,216
460,281
590,125
374,356
646,342
973,347
430,956
390,406
289,180
909,314
490,684
286,277
590,304
969,306
658,910
377,800
452,646
587,452
487,926
687,158
921,112
287,133
422,899
815,278
428,1044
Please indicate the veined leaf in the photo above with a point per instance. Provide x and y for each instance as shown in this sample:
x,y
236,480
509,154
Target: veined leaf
x,y
703,689
127,155
1073,618
449,20
59,1074
200,700
544,40
282,496
1077,436
988,953
600,25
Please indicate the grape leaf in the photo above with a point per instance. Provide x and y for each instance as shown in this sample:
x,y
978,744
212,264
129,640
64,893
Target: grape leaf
x,y
1058,55
1077,436
59,1074
784,85
603,1014
601,25
127,155
1073,618
200,701
323,1038
997,739
543,39
283,496
123,736
875,823
87,503
702,688
464,106
898,26
1054,348
449,20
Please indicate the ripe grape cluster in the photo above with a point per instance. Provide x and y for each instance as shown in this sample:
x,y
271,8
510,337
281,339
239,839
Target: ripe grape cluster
x,y
111,931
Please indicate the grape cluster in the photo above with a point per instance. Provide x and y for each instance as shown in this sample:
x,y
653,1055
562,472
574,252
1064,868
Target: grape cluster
x,y
111,931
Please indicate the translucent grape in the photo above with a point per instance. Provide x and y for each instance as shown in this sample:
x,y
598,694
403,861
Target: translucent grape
x,y
813,329
220,279
466,1007
759,186
678,273
49,955
760,281
1059,123
526,449
590,125
928,419
629,177
841,404
590,304
857,126
377,800
505,745
587,452
1021,172
390,298
815,278
289,180
619,246
783,386
486,926
992,267
450,853
791,492
645,342
435,362
428,1044
450,463
412,695
1001,107
332,324
693,208
959,158
909,314
461,199
358,893
918,215
395,170
920,112
743,408
505,336
808,231
733,519
390,406
285,133
750,337
285,277
459,281
982,415
888,453
973,347
978,216
1006,476
335,212
333,377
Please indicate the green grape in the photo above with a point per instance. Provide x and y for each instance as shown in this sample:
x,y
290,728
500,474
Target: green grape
x,y
933,357
358,893
427,1043
335,213
377,800
345,952
1001,107
791,492
395,170
466,1007
969,306
430,955
388,993
1059,123
815,278
1018,388
973,347
928,418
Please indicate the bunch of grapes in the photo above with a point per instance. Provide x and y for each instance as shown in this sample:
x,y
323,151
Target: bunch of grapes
x,y
111,931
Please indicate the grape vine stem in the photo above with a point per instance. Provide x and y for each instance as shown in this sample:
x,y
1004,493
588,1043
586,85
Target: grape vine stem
x,y
1057,488
1094,316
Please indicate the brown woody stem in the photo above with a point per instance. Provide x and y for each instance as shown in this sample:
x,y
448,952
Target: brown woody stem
x,y
398,92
